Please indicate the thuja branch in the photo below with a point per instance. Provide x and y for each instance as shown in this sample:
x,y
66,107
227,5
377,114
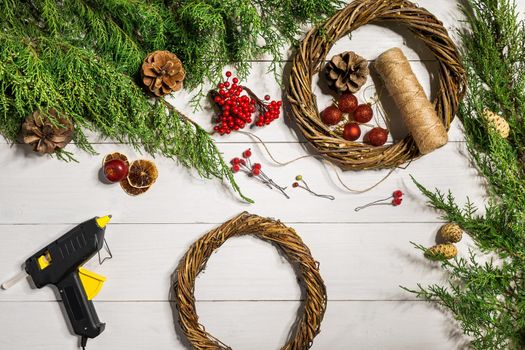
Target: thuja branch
x,y
488,299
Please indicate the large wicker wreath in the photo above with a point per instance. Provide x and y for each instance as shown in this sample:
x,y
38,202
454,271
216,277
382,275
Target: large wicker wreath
x,y
312,53
286,239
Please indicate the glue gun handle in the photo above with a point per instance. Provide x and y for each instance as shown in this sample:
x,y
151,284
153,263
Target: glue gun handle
x,y
80,310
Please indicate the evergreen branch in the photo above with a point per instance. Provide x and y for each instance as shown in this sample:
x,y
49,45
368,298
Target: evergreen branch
x,y
488,299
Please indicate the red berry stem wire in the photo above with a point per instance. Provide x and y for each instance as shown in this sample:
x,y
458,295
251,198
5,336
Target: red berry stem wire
x,y
307,188
395,200
254,170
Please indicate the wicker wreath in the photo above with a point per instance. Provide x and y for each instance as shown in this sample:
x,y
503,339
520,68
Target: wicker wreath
x,y
286,239
309,61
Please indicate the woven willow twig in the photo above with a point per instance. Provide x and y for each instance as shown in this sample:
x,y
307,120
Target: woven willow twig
x,y
309,61
286,239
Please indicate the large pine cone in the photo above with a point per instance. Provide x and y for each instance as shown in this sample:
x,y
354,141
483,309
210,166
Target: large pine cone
x,y
347,72
162,73
44,134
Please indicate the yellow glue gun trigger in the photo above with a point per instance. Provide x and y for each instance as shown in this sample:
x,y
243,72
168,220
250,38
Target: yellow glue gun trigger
x,y
91,282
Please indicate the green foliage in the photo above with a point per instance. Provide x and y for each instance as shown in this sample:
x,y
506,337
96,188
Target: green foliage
x,y
82,57
488,299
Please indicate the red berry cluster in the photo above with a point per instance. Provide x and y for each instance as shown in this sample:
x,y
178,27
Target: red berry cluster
x,y
254,170
397,198
236,110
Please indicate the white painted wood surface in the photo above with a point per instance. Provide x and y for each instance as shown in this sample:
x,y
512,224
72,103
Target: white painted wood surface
x,y
248,296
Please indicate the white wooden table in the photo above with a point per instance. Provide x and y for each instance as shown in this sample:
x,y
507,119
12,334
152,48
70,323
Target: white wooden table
x,y
248,296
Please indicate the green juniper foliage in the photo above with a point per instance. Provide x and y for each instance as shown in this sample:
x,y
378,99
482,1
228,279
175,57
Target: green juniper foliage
x,y
488,299
82,57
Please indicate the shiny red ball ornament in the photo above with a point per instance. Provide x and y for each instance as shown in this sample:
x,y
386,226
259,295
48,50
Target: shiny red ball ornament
x,y
351,131
331,115
347,103
116,170
377,136
363,113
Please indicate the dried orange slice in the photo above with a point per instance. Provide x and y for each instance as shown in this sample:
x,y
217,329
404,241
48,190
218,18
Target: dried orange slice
x,y
142,173
115,155
132,191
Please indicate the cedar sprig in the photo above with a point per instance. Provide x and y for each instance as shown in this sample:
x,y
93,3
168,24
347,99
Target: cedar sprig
x,y
486,291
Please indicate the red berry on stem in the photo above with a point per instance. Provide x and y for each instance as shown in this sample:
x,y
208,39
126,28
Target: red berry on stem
x,y
398,194
351,131
331,115
236,168
295,184
363,113
116,170
228,74
377,136
397,201
235,80
247,153
256,171
347,103
267,97
257,166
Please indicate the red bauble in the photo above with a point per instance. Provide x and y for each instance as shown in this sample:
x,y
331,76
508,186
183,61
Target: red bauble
x,y
377,136
116,170
331,116
363,113
351,131
347,103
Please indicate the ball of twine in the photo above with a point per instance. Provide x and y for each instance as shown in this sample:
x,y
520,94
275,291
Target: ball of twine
x,y
288,242
312,52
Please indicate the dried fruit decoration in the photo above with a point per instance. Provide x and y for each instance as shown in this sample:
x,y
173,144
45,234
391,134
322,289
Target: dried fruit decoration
x,y
115,166
236,111
142,175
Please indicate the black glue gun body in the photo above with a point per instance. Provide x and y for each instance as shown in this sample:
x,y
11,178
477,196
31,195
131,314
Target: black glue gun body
x,y
59,264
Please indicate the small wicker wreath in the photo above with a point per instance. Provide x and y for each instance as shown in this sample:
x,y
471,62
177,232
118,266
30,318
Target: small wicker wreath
x,y
286,239
309,61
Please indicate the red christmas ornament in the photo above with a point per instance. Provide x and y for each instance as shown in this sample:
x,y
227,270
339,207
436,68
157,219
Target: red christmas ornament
x,y
363,113
377,136
351,131
331,115
116,170
347,103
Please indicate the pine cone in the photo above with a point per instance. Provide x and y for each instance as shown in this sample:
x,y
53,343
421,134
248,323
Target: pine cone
x,y
442,251
162,73
347,71
45,135
497,122
451,233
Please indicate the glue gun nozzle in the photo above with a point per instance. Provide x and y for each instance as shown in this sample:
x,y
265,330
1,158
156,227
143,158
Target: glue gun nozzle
x,y
103,221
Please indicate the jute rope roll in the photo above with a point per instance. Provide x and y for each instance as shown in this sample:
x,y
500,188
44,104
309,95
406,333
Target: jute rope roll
x,y
289,243
416,110
311,55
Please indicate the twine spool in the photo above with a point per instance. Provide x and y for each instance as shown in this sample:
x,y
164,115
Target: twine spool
x,y
416,110
311,314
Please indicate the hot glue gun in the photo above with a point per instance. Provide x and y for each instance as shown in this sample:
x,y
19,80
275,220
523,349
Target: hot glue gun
x,y
60,264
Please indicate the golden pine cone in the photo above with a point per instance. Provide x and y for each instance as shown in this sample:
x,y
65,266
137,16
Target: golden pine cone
x,y
162,73
446,250
451,233
497,122
347,72
47,132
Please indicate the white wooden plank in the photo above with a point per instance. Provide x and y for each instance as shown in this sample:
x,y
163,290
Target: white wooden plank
x,y
241,325
39,190
358,262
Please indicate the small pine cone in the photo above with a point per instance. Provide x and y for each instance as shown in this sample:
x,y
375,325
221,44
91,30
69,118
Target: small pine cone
x,y
162,73
47,133
497,122
446,251
451,233
347,72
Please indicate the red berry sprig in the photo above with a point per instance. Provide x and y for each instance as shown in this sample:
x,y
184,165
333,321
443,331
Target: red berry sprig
x,y
254,170
395,199
237,110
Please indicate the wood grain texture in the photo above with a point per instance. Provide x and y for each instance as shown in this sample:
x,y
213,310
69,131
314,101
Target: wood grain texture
x,y
247,295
